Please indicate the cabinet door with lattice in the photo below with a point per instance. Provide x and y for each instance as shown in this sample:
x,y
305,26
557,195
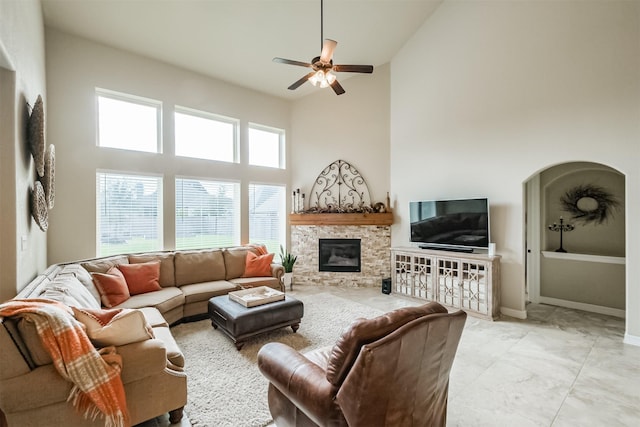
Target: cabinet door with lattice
x,y
449,281
423,273
473,286
401,274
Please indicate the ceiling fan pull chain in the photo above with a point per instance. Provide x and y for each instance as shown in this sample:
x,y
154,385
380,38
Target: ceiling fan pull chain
x,y
321,23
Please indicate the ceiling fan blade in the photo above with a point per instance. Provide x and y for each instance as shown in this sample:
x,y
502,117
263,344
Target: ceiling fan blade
x,y
327,50
300,82
337,88
353,68
292,62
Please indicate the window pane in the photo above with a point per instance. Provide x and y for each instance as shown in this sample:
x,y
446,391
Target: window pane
x,y
204,137
264,147
267,216
128,125
129,213
207,214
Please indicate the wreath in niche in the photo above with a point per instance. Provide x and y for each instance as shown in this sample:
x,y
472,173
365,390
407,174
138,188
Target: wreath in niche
x,y
589,203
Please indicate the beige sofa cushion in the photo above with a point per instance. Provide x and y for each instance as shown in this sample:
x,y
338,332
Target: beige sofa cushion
x,y
142,359
234,261
102,265
153,316
18,393
30,337
167,268
174,354
164,300
199,266
204,291
80,273
68,290
16,358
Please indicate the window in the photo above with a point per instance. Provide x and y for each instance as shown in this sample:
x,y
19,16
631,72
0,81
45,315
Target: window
x,y
207,213
267,215
205,136
128,122
129,213
266,146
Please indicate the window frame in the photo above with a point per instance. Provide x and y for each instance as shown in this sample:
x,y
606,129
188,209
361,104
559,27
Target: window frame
x,y
281,144
160,207
133,99
178,109
282,215
237,233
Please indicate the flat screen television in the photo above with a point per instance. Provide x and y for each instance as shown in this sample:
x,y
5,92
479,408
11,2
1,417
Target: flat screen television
x,y
461,224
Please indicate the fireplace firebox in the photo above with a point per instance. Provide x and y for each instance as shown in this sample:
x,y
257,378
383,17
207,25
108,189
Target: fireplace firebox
x,y
339,255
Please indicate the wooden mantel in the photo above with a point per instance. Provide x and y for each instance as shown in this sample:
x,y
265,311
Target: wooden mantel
x,y
341,218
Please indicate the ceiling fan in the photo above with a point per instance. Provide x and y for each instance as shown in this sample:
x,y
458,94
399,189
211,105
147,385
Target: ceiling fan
x,y
323,67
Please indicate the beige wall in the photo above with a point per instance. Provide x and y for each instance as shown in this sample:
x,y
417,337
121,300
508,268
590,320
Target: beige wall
x,y
486,94
22,79
353,127
75,67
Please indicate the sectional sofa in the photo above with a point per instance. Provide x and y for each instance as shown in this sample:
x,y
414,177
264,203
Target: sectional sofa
x,y
31,390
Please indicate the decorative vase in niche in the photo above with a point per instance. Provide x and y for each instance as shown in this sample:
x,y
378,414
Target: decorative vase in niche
x,y
287,280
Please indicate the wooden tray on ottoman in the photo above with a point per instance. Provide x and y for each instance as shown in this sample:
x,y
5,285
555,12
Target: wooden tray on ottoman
x,y
256,296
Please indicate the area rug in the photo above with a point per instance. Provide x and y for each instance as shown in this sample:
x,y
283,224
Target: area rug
x,y
225,387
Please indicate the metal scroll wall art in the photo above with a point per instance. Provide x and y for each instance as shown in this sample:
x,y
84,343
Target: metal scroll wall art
x,y
340,189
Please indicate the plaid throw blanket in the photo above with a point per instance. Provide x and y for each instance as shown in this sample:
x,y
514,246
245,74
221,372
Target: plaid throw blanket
x,y
98,389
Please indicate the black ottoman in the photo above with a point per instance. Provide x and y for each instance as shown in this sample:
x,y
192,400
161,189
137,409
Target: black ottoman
x,y
241,323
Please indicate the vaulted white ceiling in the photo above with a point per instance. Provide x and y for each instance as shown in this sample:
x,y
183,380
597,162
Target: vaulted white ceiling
x,y
236,40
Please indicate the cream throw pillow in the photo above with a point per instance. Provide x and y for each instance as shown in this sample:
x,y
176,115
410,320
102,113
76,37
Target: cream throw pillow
x,y
117,327
68,290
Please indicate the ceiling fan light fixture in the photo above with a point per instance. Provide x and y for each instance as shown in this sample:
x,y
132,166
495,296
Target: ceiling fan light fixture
x,y
317,78
322,78
322,66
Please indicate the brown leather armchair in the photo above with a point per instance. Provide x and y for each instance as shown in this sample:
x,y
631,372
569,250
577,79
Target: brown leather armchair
x,y
392,370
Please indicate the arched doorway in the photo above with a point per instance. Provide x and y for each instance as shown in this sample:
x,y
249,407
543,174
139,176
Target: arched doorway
x,y
584,202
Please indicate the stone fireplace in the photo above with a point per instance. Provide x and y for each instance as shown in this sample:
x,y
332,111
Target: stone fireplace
x,y
343,239
307,231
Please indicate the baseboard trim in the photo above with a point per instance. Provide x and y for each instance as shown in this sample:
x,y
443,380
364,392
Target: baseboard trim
x,y
518,314
631,340
583,306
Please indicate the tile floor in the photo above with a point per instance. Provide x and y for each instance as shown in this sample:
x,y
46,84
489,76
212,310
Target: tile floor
x,y
560,367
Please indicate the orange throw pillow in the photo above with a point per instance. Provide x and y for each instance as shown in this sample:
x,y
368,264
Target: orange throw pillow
x,y
112,287
142,277
257,265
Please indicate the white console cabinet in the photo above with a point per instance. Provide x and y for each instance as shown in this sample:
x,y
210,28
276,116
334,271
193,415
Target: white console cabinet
x,y
470,282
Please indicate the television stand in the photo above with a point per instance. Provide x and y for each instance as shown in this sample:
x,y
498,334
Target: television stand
x,y
470,282
448,249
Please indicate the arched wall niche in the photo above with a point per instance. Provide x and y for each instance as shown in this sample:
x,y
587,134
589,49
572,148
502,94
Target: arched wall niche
x,y
598,215
590,275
